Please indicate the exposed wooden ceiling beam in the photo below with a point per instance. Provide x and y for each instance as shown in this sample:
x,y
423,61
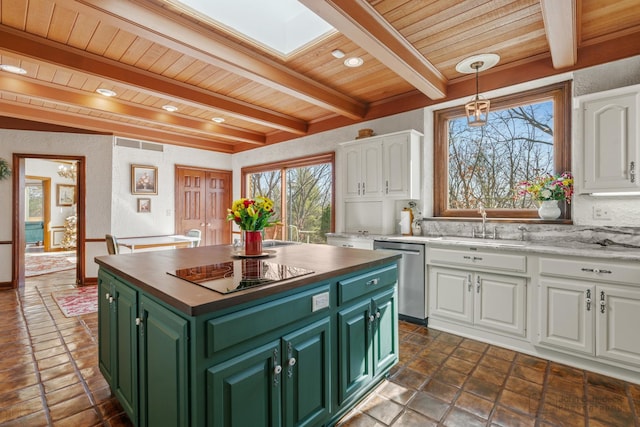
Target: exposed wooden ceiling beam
x,y
156,24
559,18
360,22
53,53
46,115
21,86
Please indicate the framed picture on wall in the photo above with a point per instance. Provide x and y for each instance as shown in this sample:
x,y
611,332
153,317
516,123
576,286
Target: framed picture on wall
x,y
65,195
144,205
144,179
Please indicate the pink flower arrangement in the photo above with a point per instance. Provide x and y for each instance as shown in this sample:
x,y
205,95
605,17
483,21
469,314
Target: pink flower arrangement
x,y
548,187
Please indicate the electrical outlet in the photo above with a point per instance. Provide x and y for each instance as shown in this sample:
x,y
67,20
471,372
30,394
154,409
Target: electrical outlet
x,y
601,214
320,301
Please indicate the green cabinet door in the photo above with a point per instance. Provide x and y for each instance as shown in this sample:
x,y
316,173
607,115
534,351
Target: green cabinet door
x,y
385,331
105,315
125,345
164,375
354,349
246,390
306,375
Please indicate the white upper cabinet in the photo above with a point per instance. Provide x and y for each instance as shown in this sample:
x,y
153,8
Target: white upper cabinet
x,y
382,166
611,140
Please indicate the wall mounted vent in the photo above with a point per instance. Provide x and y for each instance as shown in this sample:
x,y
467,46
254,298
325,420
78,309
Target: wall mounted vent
x,y
141,145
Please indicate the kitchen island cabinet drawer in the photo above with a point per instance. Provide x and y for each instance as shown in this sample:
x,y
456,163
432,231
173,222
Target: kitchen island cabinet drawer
x,y
591,269
357,286
229,330
475,259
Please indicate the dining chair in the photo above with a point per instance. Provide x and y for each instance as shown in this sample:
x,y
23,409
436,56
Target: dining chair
x,y
194,232
112,244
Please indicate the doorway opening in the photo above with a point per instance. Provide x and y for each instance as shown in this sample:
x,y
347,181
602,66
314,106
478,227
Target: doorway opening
x,y
48,224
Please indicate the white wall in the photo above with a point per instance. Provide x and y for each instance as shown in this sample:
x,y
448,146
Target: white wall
x,y
48,168
98,151
126,221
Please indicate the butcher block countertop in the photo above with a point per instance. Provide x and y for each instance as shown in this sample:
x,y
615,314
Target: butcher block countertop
x,y
149,272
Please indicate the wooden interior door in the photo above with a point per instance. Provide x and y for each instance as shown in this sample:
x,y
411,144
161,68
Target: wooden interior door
x,y
202,199
218,188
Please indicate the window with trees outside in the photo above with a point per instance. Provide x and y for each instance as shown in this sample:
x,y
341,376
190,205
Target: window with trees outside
x,y
527,135
302,191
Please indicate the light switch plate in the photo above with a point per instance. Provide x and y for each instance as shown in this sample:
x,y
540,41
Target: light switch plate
x,y
320,301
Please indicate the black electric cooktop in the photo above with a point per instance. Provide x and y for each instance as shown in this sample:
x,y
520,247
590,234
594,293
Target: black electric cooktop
x,y
233,276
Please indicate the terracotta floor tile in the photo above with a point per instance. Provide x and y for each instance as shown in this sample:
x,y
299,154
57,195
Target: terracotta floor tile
x,y
413,419
451,376
56,371
60,382
566,372
466,354
529,374
606,383
473,345
35,419
458,417
561,417
396,392
435,357
489,375
501,353
14,397
87,418
383,410
608,407
459,365
519,402
21,409
565,394
424,366
482,388
506,418
495,363
441,390
527,388
65,393
531,362
475,404
429,406
356,420
50,362
409,378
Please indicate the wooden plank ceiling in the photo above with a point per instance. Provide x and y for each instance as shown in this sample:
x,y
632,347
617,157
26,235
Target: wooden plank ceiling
x,y
154,53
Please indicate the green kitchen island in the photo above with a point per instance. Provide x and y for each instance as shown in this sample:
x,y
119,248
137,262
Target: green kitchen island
x,y
300,351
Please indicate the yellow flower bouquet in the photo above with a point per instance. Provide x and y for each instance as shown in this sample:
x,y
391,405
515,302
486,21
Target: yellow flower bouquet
x,y
252,214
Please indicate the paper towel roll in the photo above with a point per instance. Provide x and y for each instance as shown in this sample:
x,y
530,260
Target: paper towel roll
x,y
405,222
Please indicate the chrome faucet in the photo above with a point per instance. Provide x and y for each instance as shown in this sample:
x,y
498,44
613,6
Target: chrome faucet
x,y
483,213
522,229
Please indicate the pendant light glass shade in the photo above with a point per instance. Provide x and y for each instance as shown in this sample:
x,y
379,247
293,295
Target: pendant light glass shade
x,y
477,109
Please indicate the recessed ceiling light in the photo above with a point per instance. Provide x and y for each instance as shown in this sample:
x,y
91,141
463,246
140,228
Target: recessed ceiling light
x,y
106,92
337,53
12,69
170,108
218,119
353,62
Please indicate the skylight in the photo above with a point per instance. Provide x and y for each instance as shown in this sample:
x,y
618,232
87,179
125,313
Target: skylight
x,y
282,25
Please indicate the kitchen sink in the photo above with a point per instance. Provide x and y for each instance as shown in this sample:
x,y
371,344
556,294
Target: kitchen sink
x,y
277,243
491,243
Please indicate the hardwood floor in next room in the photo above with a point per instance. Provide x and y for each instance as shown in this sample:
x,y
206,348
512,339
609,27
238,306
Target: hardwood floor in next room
x,y
49,376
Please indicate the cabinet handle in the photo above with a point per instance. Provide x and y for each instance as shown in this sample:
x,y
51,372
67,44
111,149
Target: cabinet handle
x,y
363,190
138,321
107,296
373,281
387,187
378,314
596,270
470,283
632,172
588,299
478,284
347,246
602,302
466,257
110,300
358,189
477,258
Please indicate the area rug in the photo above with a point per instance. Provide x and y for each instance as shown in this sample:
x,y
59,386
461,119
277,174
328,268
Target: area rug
x,y
36,264
76,302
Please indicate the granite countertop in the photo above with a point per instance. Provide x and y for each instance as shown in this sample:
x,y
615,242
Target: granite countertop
x,y
604,249
148,271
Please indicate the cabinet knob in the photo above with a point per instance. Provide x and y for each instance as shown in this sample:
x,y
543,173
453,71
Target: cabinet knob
x,y
138,321
202,224
373,281
292,361
372,318
107,296
110,300
378,314
277,369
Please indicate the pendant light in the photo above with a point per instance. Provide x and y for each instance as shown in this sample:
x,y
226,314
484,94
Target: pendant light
x,y
477,110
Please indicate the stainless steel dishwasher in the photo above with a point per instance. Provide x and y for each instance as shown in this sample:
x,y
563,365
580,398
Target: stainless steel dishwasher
x,y
412,301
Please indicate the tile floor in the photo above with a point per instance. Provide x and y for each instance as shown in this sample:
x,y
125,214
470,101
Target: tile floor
x,y
49,377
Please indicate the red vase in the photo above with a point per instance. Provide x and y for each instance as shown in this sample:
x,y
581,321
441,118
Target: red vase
x,y
252,243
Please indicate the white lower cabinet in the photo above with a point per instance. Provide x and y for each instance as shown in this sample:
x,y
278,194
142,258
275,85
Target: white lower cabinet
x,y
350,242
482,299
587,312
